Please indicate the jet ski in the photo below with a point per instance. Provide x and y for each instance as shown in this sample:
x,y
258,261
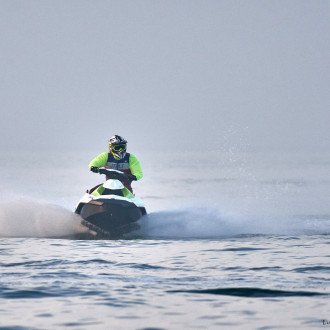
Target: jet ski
x,y
110,214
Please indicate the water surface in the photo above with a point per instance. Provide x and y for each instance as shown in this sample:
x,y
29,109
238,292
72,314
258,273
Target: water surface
x,y
245,247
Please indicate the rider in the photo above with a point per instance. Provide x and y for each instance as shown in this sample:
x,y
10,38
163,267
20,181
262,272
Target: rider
x,y
118,159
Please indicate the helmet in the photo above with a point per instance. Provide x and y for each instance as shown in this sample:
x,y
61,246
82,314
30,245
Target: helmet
x,y
117,146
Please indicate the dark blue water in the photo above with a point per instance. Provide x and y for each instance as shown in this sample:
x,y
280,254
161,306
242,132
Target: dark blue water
x,y
248,249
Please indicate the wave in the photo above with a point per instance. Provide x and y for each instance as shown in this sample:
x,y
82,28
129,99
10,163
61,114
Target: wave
x,y
205,222
29,218
46,292
252,292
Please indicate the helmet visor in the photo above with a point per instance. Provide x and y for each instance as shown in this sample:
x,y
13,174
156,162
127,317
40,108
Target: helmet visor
x,y
119,147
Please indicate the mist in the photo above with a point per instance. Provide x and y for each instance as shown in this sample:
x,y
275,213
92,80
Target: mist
x,y
166,75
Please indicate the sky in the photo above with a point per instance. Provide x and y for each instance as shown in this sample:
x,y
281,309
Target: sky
x,y
176,75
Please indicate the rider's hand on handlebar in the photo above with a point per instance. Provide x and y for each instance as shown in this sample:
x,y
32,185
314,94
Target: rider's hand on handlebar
x,y
95,169
131,177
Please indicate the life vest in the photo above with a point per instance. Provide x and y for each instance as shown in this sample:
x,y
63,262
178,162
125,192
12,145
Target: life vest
x,y
121,165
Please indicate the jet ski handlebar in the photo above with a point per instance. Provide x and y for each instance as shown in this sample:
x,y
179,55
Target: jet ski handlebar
x,y
113,174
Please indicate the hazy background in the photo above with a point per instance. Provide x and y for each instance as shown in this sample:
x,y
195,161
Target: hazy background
x,y
168,75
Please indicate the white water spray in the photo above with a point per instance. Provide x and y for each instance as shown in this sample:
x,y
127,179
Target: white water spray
x,y
205,222
29,218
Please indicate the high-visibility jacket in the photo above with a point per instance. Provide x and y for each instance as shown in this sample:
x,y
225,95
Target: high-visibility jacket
x,y
129,165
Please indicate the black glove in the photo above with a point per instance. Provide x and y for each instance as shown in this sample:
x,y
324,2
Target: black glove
x,y
131,177
95,169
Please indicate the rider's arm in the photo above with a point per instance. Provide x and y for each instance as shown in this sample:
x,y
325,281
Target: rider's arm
x,y
135,167
99,161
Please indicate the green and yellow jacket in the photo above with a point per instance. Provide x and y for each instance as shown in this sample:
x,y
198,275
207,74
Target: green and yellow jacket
x,y
128,165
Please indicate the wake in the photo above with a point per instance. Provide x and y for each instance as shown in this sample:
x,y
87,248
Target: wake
x,y
204,222
30,218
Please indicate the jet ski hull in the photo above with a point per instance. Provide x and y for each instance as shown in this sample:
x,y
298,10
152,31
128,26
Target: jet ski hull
x,y
114,217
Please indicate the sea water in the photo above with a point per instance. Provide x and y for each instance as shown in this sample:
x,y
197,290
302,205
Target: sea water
x,y
233,241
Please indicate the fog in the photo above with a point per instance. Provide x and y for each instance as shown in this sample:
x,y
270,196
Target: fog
x,y
166,75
